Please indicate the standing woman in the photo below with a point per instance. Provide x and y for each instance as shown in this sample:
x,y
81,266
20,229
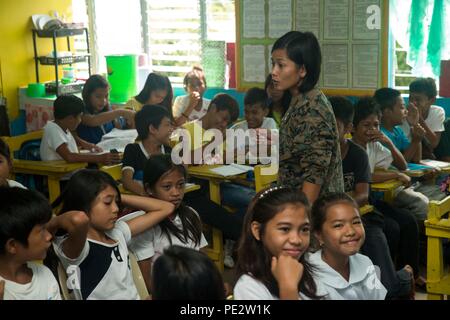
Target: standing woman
x,y
310,157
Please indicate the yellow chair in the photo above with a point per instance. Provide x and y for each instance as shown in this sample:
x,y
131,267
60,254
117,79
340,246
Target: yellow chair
x,y
53,170
263,181
437,228
388,188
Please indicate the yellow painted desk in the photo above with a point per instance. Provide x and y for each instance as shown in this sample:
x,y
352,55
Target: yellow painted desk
x,y
365,209
388,187
53,170
204,172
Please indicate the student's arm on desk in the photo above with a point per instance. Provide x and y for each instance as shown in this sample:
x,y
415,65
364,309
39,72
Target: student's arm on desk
x,y
83,144
130,184
107,158
382,176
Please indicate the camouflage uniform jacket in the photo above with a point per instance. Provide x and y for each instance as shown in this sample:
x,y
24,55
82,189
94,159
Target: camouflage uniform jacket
x,y
309,144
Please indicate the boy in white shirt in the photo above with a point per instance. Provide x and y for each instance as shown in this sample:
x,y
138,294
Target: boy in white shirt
x,y
58,143
24,239
422,95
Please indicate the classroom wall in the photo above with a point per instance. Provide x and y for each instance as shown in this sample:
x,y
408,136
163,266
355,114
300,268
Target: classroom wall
x,y
16,45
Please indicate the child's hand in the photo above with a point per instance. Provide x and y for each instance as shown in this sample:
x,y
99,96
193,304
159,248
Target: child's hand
x,y
2,289
413,114
405,179
194,99
128,115
111,158
95,148
287,271
417,132
381,137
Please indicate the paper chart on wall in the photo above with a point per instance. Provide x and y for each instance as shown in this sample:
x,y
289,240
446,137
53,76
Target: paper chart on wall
x,y
365,65
308,16
363,28
253,64
254,19
336,16
280,17
335,65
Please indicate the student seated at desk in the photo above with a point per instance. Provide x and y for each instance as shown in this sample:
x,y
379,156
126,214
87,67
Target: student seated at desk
x,y
410,206
98,118
165,181
356,170
58,142
6,167
256,111
157,91
393,115
191,106
223,110
422,95
154,129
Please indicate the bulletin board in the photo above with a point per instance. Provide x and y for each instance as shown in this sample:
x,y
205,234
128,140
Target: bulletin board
x,y
354,56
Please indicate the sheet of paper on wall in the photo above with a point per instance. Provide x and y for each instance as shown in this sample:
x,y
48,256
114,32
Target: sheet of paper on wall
x,y
254,70
254,19
280,17
308,16
231,169
119,133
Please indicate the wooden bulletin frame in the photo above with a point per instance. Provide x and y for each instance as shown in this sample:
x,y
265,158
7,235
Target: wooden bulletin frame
x,y
257,45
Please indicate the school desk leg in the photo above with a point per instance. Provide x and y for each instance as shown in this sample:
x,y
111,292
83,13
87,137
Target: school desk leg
x,y
217,238
53,188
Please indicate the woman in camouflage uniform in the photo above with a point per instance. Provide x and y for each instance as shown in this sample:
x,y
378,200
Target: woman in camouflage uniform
x,y
310,158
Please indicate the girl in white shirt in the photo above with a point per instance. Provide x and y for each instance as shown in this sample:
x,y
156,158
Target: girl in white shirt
x,y
271,263
166,181
191,106
339,269
93,249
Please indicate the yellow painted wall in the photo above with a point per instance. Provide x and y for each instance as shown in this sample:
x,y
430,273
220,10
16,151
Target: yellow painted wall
x,y
16,45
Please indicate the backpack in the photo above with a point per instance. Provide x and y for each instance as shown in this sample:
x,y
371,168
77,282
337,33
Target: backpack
x,y
30,150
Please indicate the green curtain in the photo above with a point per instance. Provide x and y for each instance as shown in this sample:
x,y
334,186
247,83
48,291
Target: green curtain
x,y
416,27
436,37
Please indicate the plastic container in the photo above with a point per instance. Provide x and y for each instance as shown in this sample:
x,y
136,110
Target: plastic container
x,y
122,76
36,90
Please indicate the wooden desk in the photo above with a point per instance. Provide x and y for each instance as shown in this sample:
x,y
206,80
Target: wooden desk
x,y
204,172
365,209
388,187
53,170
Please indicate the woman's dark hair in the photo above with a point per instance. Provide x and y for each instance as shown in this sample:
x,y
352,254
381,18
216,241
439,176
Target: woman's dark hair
x,y
93,83
4,150
365,107
82,189
149,115
304,49
322,204
20,211
285,100
186,274
253,257
155,168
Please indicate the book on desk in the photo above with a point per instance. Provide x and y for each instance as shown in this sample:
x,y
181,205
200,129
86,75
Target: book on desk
x,y
231,169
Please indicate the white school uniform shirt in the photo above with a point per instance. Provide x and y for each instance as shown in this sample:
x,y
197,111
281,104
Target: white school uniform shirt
x,y
379,156
249,288
363,283
101,271
435,121
268,123
53,137
13,183
181,103
152,242
43,286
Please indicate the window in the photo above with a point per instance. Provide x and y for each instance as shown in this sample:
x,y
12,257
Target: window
x,y
429,31
169,32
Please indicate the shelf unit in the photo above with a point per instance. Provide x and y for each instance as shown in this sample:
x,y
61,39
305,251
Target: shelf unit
x,y
57,62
